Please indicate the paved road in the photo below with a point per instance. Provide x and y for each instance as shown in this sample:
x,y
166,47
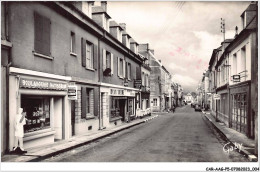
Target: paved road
x,y
183,136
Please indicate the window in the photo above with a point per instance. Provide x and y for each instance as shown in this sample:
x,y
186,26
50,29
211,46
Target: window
x,y
108,59
143,79
155,102
129,71
234,64
42,29
72,42
89,55
37,112
121,66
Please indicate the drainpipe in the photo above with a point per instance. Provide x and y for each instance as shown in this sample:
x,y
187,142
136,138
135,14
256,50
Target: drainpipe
x,y
99,80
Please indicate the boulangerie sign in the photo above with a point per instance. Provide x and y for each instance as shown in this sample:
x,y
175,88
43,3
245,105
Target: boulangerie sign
x,y
40,84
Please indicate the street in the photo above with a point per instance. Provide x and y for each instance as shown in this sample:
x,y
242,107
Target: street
x,y
182,136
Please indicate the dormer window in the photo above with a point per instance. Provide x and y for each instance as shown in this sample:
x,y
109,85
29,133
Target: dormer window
x,y
105,23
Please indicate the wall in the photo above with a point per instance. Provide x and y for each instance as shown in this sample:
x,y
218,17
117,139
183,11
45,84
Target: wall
x,y
237,50
114,79
22,18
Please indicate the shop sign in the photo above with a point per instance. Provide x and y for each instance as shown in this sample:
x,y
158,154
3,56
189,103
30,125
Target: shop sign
x,y
130,93
116,92
236,78
45,85
137,83
72,92
216,96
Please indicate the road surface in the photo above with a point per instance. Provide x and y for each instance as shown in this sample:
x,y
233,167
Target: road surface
x,y
182,136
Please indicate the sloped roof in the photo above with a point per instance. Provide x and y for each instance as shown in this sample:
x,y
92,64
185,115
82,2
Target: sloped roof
x,y
98,10
251,7
114,24
132,41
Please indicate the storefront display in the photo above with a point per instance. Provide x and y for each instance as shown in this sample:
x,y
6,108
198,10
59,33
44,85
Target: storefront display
x,y
37,112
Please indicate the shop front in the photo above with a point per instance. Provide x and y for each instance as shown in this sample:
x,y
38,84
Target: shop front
x,y
223,106
117,106
46,105
239,108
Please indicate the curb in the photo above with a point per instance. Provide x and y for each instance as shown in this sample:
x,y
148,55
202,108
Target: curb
x,y
87,142
247,154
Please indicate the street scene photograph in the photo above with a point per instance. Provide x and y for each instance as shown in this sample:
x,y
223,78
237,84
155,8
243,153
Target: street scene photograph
x,y
129,82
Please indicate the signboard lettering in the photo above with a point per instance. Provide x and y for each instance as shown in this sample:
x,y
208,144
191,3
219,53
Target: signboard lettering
x,y
72,92
216,96
45,85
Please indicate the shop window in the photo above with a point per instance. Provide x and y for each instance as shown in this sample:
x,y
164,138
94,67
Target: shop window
x,y
115,108
147,103
130,106
42,29
155,102
37,113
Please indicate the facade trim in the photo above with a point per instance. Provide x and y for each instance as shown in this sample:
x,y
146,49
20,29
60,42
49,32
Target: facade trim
x,y
36,73
118,86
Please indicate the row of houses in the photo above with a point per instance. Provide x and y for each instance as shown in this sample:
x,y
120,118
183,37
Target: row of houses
x,y
229,87
74,70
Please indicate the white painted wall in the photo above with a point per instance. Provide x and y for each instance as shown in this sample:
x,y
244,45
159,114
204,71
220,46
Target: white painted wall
x,y
58,118
240,62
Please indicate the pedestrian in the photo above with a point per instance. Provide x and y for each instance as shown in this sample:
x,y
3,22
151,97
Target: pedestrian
x,y
20,121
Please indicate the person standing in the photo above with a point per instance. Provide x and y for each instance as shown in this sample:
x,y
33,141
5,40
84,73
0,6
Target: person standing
x,y
20,121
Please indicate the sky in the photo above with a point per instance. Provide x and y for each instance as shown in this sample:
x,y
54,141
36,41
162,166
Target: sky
x,y
182,34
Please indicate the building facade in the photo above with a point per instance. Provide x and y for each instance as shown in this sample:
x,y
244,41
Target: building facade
x,y
69,68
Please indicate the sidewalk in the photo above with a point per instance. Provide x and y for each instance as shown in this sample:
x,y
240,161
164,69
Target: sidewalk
x,y
38,153
234,137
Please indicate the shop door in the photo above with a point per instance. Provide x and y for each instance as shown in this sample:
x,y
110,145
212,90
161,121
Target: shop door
x,y
73,117
239,112
122,109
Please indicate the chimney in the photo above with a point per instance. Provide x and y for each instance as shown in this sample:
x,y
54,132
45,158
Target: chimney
x,y
123,25
236,28
152,51
104,5
160,61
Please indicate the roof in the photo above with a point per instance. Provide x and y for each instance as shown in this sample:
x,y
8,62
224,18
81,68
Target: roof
x,y
125,33
114,24
99,10
251,7
132,41
249,28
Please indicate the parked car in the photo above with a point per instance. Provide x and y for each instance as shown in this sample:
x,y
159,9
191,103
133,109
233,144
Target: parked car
x,y
192,105
197,107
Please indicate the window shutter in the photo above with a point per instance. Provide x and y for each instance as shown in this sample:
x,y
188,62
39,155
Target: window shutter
x,y
138,72
95,52
112,64
118,66
46,36
124,68
104,59
37,32
42,29
83,52
83,102
130,71
96,103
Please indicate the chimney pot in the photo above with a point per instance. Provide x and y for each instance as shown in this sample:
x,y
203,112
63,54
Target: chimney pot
x,y
104,5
